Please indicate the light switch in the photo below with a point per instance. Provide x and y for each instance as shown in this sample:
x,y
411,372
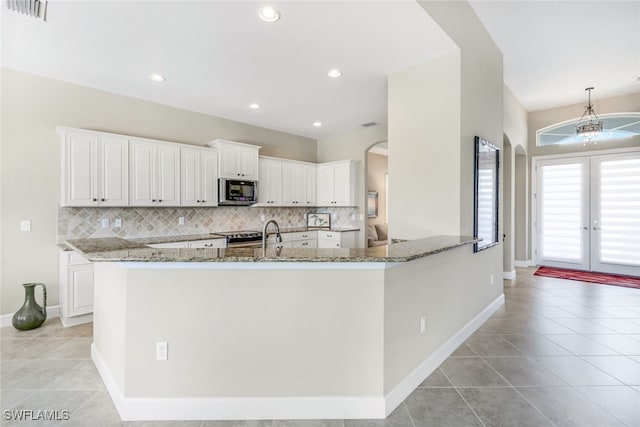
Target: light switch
x,y
25,225
180,220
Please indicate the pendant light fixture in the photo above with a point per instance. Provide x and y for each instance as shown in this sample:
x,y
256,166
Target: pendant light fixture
x,y
589,125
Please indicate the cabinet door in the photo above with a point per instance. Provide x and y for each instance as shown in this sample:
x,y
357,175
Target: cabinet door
x,y
328,243
114,172
229,161
300,184
288,184
325,192
342,184
209,178
141,173
269,184
171,245
190,173
168,175
80,165
310,192
80,289
248,163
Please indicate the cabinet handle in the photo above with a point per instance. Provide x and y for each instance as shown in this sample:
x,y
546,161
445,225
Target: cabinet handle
x,y
153,200
160,200
102,200
238,174
95,200
338,244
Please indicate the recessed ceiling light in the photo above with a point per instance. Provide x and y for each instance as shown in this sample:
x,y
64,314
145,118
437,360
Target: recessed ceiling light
x,y
334,73
254,106
269,14
317,124
156,77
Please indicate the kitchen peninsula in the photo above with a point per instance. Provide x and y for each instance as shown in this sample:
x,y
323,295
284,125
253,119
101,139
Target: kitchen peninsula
x,y
279,333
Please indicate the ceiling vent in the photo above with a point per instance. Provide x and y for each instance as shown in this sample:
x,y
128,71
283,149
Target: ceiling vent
x,y
34,8
368,124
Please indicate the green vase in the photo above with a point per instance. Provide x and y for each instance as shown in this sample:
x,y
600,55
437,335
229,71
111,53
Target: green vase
x,y
30,315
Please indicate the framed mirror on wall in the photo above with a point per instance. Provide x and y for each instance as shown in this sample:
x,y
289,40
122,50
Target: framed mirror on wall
x,y
485,201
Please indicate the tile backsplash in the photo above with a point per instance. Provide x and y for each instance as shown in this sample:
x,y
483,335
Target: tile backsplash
x,y
80,223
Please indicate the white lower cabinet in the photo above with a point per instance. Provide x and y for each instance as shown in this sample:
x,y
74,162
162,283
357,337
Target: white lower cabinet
x,y
333,239
76,289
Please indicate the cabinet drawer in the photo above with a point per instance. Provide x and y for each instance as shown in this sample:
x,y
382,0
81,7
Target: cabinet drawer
x,y
212,243
301,235
332,235
307,243
286,237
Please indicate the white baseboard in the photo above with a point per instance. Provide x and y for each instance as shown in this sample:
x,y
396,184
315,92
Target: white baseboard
x,y
52,311
430,364
255,408
76,320
509,275
240,408
525,263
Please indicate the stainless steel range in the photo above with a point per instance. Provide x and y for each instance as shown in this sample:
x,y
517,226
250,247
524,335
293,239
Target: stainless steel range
x,y
242,239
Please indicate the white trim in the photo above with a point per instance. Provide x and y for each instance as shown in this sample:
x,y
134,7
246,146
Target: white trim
x,y
52,311
76,320
256,265
524,264
583,154
254,408
396,396
509,275
243,408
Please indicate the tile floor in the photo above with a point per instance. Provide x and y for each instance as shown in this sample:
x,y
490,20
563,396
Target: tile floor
x,y
558,352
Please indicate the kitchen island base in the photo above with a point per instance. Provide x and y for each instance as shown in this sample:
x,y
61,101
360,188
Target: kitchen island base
x,y
290,340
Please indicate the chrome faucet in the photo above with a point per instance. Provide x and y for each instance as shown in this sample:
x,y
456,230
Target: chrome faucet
x,y
264,233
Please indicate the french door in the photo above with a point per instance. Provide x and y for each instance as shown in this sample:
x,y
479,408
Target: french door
x,y
588,213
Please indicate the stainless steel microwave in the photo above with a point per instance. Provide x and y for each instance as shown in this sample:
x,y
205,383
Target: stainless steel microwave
x,y
235,192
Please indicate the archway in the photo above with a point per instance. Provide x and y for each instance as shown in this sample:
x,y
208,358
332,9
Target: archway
x,y
376,194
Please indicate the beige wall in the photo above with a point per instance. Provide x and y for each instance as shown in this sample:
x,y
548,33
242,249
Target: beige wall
x,y
515,216
32,107
424,160
377,165
353,145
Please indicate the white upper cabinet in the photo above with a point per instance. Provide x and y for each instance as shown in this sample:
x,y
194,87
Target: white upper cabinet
x,y
154,173
94,169
270,182
298,184
236,160
199,181
336,183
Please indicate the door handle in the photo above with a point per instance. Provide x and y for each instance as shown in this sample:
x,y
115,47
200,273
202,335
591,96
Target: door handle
x,y
596,228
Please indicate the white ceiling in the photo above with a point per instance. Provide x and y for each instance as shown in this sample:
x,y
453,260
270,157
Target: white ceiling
x,y
218,58
553,50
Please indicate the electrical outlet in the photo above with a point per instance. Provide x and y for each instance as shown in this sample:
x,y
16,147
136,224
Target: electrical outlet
x,y
353,217
162,351
180,220
361,217
104,222
423,324
263,218
25,225
491,278
117,223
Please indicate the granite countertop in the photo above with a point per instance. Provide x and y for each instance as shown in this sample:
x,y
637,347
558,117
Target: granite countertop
x,y
120,250
301,229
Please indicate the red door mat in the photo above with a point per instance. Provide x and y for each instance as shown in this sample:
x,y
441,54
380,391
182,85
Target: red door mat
x,y
587,276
